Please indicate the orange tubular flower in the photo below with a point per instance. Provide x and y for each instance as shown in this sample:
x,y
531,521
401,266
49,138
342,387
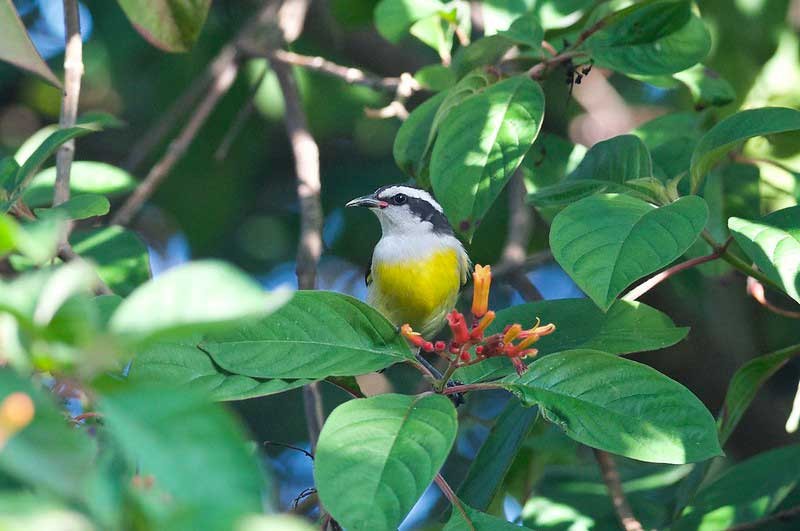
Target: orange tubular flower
x,y
414,338
458,325
486,320
482,279
511,333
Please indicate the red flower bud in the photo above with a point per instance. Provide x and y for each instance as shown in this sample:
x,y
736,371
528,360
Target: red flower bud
x,y
465,356
458,325
427,346
439,346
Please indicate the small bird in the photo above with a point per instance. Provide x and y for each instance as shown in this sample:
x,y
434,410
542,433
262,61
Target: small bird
x,y
418,267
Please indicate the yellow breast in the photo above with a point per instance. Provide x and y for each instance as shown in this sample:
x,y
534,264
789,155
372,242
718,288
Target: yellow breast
x,y
418,292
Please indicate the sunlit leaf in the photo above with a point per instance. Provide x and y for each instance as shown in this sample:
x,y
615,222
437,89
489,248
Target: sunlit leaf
x,y
387,450
706,86
773,243
17,47
606,242
86,177
393,18
620,406
315,335
121,257
78,207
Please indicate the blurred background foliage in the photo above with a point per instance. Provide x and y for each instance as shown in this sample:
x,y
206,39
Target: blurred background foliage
x,y
240,204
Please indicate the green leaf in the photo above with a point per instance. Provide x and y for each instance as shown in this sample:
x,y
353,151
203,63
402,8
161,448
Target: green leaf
x,y
494,459
387,450
479,147
744,493
525,30
435,32
706,86
17,47
626,328
473,83
172,25
411,141
183,364
773,243
78,207
38,240
393,18
121,257
606,166
733,130
49,146
606,242
86,177
26,511
745,384
651,38
548,161
191,447
474,520
172,304
315,335
620,406
9,234
484,51
48,454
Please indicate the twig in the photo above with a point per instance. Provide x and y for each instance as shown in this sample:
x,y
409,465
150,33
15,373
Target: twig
x,y
240,119
73,70
181,143
658,278
781,516
348,74
456,389
756,290
447,490
520,226
397,108
737,262
463,38
290,447
611,478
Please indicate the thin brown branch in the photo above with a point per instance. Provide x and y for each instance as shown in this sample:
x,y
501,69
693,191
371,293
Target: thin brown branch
x,y
73,70
456,389
448,492
240,119
756,290
614,485
397,108
348,74
658,278
461,35
520,227
780,516
181,143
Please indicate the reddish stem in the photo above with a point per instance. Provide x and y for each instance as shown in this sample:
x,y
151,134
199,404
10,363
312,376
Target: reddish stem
x,y
470,387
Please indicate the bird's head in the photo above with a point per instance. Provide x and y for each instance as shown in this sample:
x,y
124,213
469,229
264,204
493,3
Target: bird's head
x,y
405,210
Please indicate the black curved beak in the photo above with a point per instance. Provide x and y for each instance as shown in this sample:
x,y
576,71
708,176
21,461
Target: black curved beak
x,y
369,201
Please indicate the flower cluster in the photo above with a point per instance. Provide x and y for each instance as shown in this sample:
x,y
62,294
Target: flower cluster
x,y
470,344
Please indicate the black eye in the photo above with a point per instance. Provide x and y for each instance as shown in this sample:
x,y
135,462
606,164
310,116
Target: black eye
x,y
399,199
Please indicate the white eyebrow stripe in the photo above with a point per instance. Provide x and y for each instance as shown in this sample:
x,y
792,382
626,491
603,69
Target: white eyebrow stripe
x,y
412,192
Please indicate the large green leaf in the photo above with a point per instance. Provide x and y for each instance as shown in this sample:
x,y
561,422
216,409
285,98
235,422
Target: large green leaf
x,y
773,243
411,141
745,384
620,406
203,469
479,147
746,492
474,520
17,47
733,130
183,364
48,454
627,327
121,258
317,334
494,459
618,164
393,18
201,295
86,177
606,242
706,86
650,38
484,51
172,25
387,450
526,31
548,161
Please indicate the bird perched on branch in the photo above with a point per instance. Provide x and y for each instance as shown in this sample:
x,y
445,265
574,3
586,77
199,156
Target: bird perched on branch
x,y
418,267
